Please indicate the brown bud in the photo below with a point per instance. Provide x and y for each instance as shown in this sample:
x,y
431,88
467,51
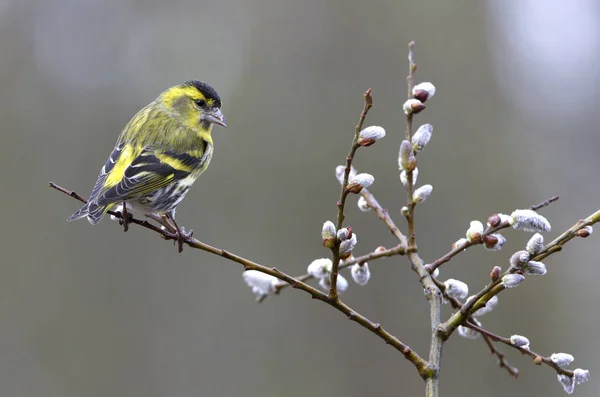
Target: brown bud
x,y
417,108
366,141
421,95
495,273
490,241
538,360
494,220
379,249
585,232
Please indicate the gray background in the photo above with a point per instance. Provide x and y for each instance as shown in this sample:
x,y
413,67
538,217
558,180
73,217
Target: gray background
x,y
91,311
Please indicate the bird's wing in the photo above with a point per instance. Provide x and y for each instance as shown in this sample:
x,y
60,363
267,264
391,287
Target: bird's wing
x,y
150,170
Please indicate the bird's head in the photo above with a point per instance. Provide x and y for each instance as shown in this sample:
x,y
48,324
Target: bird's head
x,y
195,104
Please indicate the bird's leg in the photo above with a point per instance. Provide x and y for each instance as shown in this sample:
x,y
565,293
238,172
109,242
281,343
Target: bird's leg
x,y
181,233
126,217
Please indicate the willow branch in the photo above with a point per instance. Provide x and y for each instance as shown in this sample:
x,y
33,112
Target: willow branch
x,y
420,364
368,103
495,287
538,358
489,230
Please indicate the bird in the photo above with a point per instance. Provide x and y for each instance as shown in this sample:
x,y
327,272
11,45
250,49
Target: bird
x,y
159,154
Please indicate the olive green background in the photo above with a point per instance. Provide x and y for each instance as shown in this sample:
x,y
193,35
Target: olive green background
x,y
92,311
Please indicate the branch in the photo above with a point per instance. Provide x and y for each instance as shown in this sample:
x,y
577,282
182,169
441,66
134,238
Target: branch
x,y
495,287
456,304
489,230
538,359
420,364
333,293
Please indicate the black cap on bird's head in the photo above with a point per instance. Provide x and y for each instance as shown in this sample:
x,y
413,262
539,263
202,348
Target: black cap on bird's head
x,y
209,101
209,93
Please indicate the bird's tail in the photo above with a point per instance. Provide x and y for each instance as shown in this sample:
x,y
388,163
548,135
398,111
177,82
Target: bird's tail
x,y
92,211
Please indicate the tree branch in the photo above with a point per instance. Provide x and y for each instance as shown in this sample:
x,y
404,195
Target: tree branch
x,y
368,103
420,363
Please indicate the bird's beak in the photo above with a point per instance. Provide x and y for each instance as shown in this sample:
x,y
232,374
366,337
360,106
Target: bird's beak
x,y
215,116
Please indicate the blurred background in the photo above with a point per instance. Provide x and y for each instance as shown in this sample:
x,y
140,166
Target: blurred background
x,y
91,311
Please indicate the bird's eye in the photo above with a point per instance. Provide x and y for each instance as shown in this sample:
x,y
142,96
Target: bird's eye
x,y
201,102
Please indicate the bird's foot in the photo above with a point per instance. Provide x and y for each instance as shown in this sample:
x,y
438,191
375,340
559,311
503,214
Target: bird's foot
x,y
126,218
181,234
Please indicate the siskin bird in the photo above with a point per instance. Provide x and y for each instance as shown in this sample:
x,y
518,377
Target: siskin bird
x,y
160,153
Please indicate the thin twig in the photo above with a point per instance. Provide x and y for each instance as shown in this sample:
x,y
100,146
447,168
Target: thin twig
x,y
420,364
456,304
495,287
368,103
539,358
512,370
489,230
397,250
433,293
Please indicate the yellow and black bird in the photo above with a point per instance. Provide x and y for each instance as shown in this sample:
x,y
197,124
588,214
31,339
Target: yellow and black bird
x,y
160,153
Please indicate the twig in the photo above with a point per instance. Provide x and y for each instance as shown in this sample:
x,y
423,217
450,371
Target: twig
x,y
537,357
544,203
433,293
397,250
420,364
456,304
495,287
368,103
512,371
384,215
489,230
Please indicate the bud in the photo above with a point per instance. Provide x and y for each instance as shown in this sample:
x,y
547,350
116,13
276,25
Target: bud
x,y
363,205
423,91
342,283
530,221
459,243
495,273
567,383
380,249
519,341
360,182
412,106
519,259
422,193
347,246
474,232
583,233
581,375
328,234
494,241
422,137
436,272
261,283
370,135
535,244
404,211
344,233
406,157
404,178
494,220
468,333
360,273
320,268
562,359
489,306
339,173
534,268
512,280
456,289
